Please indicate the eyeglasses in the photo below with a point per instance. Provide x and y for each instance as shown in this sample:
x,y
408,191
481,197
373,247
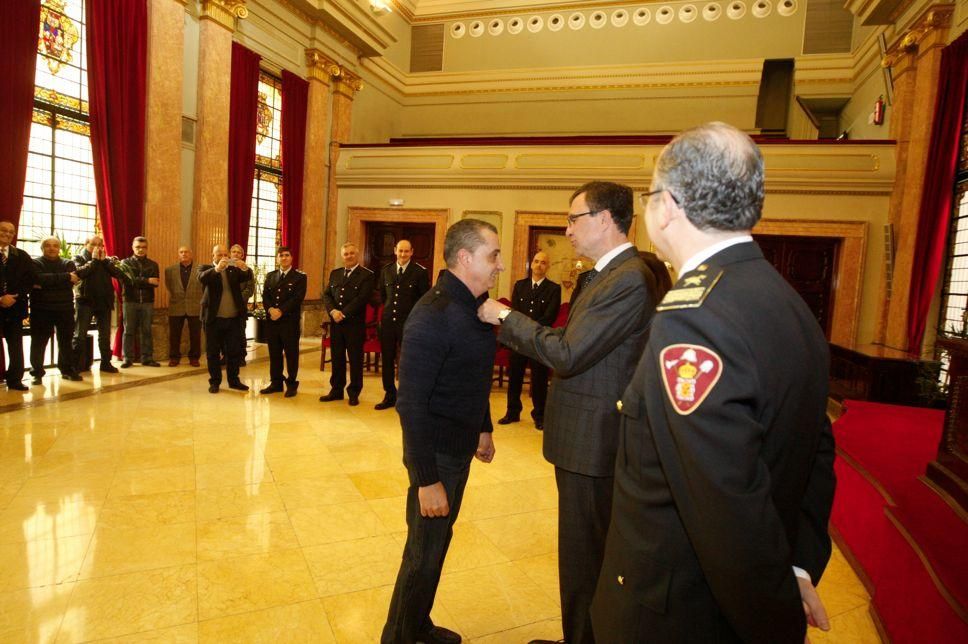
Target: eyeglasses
x,y
573,218
645,196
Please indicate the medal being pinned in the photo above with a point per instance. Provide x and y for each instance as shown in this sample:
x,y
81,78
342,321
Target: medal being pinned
x,y
689,373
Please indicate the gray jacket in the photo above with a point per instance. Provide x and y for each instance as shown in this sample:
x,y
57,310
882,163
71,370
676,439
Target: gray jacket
x,y
183,301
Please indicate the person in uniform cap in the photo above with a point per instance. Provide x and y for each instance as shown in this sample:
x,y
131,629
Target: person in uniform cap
x,y
539,298
724,477
18,274
401,284
346,295
282,297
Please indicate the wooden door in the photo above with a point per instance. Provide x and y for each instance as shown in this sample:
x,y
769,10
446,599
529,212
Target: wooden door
x,y
809,264
381,237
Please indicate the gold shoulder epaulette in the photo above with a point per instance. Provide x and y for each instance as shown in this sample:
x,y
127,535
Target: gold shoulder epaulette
x,y
691,290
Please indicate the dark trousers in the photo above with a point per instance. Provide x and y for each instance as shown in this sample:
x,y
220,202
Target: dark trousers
x,y
283,337
222,337
137,330
243,342
42,324
176,324
13,333
423,555
347,340
539,385
584,510
391,335
84,314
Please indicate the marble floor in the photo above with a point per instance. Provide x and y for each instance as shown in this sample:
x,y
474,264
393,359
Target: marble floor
x,y
153,511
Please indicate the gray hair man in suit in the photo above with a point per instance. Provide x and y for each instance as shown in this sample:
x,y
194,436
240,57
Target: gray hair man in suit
x,y
184,306
593,357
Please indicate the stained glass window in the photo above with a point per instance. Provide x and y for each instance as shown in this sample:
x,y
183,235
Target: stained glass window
x,y
266,216
59,193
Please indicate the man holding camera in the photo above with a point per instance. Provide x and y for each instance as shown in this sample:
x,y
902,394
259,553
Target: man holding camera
x,y
94,297
222,306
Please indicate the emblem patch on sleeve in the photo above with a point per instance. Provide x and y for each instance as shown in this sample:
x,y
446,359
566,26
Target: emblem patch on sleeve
x,y
689,373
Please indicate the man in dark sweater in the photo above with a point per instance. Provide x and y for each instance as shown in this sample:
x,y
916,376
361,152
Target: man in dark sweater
x,y
17,279
445,381
142,277
52,308
94,298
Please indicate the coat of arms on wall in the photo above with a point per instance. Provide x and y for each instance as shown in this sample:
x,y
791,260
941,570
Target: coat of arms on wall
x,y
58,35
263,117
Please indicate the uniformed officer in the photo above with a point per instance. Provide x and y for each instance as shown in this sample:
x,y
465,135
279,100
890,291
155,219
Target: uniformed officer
x,y
346,295
401,285
282,297
724,474
539,298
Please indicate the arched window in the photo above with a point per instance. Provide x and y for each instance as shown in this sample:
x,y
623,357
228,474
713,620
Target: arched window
x,y
265,220
59,193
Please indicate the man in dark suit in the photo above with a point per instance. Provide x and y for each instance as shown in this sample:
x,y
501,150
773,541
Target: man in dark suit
x,y
94,297
222,305
593,357
17,277
346,295
538,298
401,284
724,479
282,297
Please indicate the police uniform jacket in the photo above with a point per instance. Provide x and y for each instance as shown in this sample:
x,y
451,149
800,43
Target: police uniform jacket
x,y
350,295
286,294
398,293
212,296
724,476
540,304
17,277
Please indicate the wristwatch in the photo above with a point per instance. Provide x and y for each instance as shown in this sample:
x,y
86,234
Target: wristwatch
x,y
503,315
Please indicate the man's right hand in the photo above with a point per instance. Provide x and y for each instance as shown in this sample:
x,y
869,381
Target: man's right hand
x,y
153,281
74,278
337,315
433,500
275,313
222,265
8,300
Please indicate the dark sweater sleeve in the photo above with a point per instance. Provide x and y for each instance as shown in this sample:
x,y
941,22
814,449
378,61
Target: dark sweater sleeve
x,y
425,348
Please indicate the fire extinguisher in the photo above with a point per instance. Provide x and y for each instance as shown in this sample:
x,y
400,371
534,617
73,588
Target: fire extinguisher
x,y
879,111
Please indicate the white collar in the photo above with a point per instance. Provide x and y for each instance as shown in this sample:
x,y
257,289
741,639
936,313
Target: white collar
x,y
707,252
610,255
403,266
538,283
351,269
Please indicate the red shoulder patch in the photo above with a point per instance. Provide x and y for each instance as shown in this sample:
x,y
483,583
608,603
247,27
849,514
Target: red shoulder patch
x,y
689,372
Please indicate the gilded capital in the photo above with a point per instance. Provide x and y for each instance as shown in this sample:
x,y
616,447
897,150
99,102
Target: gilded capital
x,y
932,25
348,83
321,67
224,12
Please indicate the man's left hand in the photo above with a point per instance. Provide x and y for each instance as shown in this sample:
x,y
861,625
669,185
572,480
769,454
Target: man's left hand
x,y
275,313
488,311
812,606
239,264
485,448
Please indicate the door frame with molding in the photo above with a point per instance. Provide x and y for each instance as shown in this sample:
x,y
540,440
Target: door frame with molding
x,y
359,216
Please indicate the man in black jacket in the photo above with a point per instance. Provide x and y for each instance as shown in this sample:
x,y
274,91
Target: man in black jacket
x,y
282,297
17,278
52,309
94,298
445,381
222,306
401,284
540,299
345,298
142,277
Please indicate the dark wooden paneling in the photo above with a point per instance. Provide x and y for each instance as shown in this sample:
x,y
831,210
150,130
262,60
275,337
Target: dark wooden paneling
x,y
809,265
382,237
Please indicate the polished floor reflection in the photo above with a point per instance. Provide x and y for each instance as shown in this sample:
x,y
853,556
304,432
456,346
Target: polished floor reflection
x,y
160,512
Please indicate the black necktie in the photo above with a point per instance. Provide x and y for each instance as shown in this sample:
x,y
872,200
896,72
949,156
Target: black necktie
x,y
534,286
399,271
347,276
588,277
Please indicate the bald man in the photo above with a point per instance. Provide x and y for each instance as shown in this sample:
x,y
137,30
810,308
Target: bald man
x,y
222,306
539,298
184,305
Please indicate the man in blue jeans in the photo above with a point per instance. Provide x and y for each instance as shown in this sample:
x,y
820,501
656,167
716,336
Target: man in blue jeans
x,y
141,278
445,382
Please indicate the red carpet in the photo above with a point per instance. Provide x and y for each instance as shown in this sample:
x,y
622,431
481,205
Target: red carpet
x,y
882,450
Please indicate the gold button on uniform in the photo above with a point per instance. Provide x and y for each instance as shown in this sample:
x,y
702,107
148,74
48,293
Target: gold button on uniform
x,y
618,405
621,580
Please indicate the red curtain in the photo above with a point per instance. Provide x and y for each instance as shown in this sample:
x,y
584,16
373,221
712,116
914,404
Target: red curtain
x,y
243,110
18,59
937,201
117,52
295,96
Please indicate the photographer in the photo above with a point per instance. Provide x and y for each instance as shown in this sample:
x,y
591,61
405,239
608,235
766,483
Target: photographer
x,y
222,307
94,297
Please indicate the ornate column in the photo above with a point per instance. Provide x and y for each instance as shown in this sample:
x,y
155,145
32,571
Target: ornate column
x,y
320,71
166,45
210,214
345,87
916,62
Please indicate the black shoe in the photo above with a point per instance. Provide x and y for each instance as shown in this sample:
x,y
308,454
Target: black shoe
x,y
271,389
238,386
439,635
126,364
73,376
151,363
331,396
547,642
539,425
213,389
108,368
242,363
386,403
17,386
37,380
354,401
508,419
290,392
